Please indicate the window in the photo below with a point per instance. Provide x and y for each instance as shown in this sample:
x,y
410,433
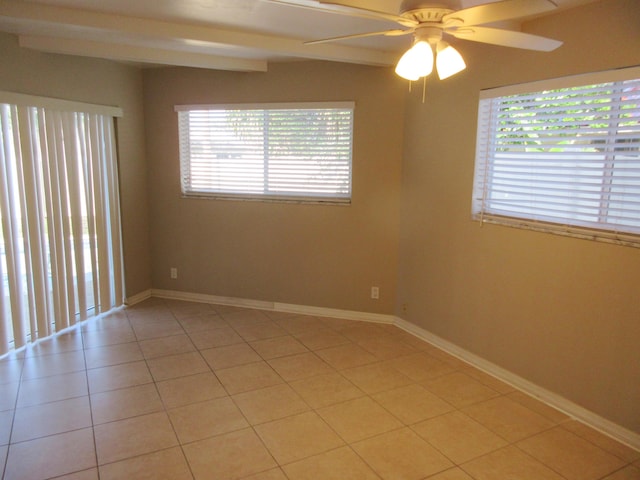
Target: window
x,y
267,151
562,156
60,241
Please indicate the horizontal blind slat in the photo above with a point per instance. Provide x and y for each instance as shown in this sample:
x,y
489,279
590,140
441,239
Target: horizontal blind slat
x,y
569,156
295,151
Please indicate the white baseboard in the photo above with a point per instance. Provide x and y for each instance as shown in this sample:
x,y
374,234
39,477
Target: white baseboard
x,y
138,297
575,411
276,306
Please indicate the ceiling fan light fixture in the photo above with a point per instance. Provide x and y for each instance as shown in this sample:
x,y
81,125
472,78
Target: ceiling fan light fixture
x,y
448,60
416,62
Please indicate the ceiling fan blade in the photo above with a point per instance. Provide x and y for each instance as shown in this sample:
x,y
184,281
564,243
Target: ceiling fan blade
x,y
505,38
340,9
387,33
348,9
496,12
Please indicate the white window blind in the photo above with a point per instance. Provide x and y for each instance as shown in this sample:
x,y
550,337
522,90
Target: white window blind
x,y
267,151
60,241
564,158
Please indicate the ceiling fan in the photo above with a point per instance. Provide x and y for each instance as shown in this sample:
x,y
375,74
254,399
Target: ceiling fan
x,y
430,20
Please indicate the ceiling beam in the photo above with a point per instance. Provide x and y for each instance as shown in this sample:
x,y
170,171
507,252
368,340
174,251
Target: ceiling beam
x,y
147,29
140,54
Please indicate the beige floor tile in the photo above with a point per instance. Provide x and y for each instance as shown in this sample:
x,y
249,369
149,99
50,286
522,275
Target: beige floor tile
x,y
511,420
278,347
337,323
6,421
10,371
229,456
243,317
339,464
408,338
190,389
51,418
202,420
202,322
361,331
508,463
490,381
109,321
358,419
148,330
412,403
229,309
65,342
377,377
185,309
570,455
451,360
259,331
51,456
57,364
90,474
421,366
386,348
160,347
344,356
459,389
3,456
217,337
51,389
297,437
124,403
167,464
245,378
230,356
401,455
299,324
174,366
9,396
271,403
458,436
102,338
273,474
319,339
601,440
324,390
302,365
279,315
452,474
628,473
134,436
537,406
118,376
113,355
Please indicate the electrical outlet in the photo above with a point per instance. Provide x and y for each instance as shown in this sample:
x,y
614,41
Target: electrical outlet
x,y
174,273
375,293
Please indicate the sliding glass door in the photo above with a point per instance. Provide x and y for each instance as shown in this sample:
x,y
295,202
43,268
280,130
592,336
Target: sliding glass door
x,y
60,239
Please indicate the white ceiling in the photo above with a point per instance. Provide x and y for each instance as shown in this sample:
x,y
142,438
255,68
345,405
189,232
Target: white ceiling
x,y
242,35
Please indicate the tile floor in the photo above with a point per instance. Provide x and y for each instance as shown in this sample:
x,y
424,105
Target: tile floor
x,y
177,390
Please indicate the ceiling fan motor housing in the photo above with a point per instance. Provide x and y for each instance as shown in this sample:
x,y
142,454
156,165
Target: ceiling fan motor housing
x,y
424,12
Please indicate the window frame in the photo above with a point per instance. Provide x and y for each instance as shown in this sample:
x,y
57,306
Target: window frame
x,y
305,197
486,133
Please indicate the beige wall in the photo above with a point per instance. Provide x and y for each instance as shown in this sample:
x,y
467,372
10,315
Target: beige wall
x,y
562,313
314,255
105,83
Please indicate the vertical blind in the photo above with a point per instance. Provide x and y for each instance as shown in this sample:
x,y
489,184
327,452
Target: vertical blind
x,y
285,151
563,159
60,240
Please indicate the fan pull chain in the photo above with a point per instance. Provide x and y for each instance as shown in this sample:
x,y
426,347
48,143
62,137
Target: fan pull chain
x,y
424,89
